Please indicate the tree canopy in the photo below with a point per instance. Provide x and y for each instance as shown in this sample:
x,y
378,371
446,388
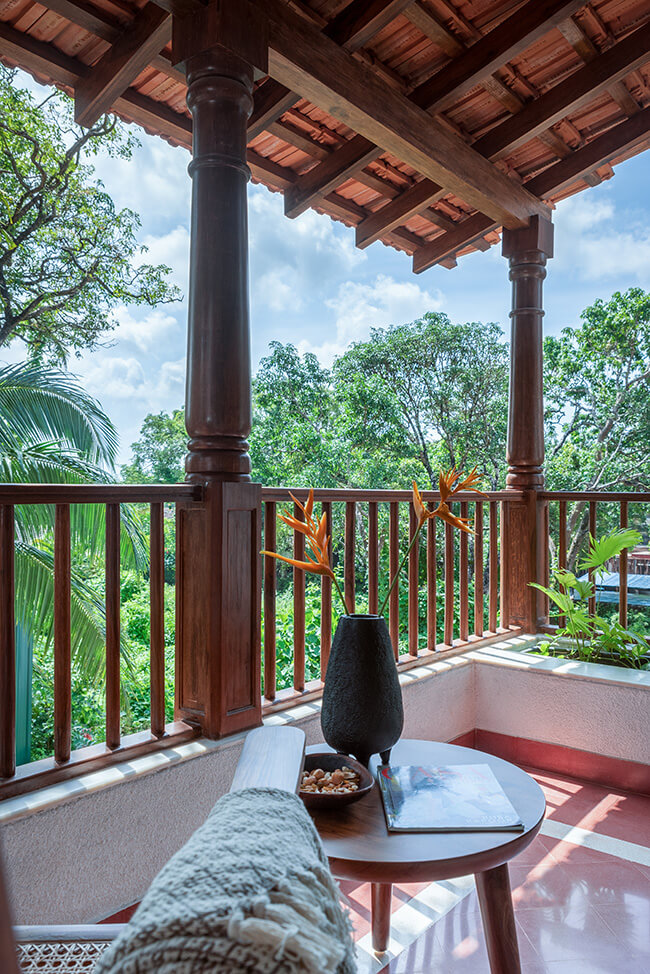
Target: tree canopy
x,y
68,257
420,396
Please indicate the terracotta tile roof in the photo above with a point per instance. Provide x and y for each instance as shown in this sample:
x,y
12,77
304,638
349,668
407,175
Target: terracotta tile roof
x,y
61,40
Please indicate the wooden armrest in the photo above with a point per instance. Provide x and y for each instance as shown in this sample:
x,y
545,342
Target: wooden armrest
x,y
272,757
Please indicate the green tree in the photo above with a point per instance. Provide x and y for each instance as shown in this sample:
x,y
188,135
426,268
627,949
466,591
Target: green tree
x,y
52,431
67,255
597,389
159,453
443,388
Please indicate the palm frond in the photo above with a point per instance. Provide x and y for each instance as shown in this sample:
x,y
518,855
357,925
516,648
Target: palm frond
x,y
609,546
39,403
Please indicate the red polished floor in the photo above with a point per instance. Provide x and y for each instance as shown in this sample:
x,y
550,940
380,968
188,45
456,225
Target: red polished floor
x,y
581,893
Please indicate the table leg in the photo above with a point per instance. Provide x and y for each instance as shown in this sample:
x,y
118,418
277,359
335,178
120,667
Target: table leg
x,y
380,907
495,900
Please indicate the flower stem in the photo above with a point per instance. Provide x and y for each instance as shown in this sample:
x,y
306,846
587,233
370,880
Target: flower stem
x,y
340,594
401,565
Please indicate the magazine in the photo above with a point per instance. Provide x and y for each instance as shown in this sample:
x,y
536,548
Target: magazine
x,y
451,798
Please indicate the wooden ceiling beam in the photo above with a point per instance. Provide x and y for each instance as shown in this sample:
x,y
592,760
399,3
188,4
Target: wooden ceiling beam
x,y
587,50
449,243
596,153
423,19
330,173
492,51
358,23
302,59
568,96
100,23
270,101
122,63
397,212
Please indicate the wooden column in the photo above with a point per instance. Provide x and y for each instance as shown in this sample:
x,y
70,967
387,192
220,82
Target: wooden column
x,y
522,537
218,540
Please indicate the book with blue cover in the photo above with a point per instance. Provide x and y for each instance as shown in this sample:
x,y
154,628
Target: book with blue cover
x,y
450,798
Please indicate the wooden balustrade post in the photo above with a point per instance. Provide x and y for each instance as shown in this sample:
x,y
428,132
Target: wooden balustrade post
x,y
218,540
523,541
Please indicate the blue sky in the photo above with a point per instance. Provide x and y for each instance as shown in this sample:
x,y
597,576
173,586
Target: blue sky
x,y
312,287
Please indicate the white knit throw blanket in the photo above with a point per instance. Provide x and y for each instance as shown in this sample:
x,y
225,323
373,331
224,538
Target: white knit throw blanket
x,y
250,892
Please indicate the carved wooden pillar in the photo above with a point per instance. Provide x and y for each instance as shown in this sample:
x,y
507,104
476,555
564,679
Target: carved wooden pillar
x,y
218,540
523,538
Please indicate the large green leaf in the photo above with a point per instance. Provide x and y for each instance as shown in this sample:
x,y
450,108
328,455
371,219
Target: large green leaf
x,y
609,546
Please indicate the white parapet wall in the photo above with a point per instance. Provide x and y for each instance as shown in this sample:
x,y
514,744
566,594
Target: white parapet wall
x,y
82,850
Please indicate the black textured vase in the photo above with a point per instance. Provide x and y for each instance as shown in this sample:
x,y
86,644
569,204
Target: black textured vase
x,y
362,702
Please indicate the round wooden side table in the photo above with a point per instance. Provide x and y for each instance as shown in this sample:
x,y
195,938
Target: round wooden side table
x,y
360,847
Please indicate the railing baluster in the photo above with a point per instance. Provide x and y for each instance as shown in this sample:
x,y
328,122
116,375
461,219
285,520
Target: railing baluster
x,y
326,601
622,572
592,532
493,569
350,551
298,609
505,550
62,659
413,582
373,558
7,645
478,568
432,639
463,585
393,559
562,549
113,626
449,585
157,623
270,585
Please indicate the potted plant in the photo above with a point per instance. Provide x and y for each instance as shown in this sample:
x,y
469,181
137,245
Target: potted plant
x,y
362,711
586,636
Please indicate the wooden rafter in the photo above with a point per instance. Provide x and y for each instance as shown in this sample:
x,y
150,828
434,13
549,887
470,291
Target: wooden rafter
x,y
506,41
271,100
358,23
433,253
569,95
397,212
600,150
122,63
472,64
587,50
302,59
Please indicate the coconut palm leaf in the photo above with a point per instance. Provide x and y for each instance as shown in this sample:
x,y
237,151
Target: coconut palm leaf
x,y
42,404
34,573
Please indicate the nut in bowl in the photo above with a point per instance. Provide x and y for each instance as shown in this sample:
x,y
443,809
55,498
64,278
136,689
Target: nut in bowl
x,y
331,780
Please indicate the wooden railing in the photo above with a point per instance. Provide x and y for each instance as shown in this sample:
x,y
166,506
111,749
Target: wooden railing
x,y
65,762
572,516
373,531
451,595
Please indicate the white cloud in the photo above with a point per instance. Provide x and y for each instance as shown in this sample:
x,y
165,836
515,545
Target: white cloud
x,y
598,241
173,250
360,307
145,332
292,260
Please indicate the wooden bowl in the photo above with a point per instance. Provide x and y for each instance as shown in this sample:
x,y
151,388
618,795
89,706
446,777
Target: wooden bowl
x,y
329,761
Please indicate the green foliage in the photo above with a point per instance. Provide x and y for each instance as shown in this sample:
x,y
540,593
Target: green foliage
x,y
594,634
159,453
444,392
597,403
67,255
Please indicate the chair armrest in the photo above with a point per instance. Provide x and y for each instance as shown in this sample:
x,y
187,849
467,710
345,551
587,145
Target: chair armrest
x,y
273,757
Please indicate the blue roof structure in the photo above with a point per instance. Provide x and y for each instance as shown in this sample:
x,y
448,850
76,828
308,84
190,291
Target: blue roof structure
x,y
607,589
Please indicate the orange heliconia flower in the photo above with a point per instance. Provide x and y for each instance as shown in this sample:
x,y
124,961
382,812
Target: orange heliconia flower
x,y
450,482
315,532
